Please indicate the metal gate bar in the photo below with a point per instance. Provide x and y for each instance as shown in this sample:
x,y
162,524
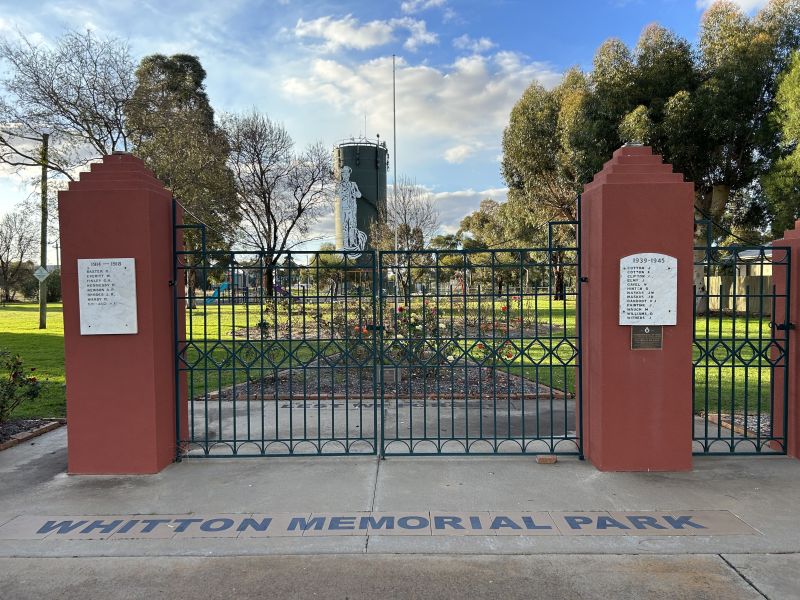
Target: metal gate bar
x,y
480,351
740,353
276,358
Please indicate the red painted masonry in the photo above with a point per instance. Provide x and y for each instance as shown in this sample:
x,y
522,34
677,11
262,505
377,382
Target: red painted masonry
x,y
791,239
637,404
120,388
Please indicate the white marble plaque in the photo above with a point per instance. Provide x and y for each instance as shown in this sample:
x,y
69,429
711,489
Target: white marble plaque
x,y
107,295
648,289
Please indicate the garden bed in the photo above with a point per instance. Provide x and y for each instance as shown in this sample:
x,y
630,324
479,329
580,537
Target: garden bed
x,y
457,382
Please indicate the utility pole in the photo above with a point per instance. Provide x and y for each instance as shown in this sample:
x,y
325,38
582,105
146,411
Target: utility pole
x,y
43,239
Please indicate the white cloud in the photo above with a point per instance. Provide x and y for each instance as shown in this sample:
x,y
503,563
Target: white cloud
x,y
419,34
460,153
477,46
413,6
746,5
467,102
345,32
454,206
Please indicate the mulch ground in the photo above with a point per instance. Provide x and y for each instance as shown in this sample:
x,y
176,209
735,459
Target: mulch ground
x,y
10,428
446,382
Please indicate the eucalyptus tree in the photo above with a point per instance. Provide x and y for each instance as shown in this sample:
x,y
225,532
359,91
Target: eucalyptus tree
x,y
171,126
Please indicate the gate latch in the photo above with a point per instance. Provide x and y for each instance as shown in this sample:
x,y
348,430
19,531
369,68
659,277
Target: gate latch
x,y
784,326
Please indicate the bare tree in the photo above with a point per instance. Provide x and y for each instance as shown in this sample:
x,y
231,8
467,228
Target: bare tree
x,y
17,243
280,193
408,222
75,92
410,218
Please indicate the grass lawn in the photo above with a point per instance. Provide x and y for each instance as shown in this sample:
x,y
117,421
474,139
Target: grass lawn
x,y
42,349
736,376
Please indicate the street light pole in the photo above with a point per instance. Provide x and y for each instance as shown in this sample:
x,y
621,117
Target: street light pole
x,y
43,238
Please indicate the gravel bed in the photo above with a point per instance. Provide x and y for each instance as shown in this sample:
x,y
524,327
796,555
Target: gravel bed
x,y
751,423
10,428
448,382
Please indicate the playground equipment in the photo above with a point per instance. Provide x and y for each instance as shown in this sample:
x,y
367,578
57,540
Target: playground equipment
x,y
215,296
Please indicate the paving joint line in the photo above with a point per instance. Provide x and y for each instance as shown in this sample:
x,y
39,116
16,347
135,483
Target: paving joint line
x,y
743,576
374,493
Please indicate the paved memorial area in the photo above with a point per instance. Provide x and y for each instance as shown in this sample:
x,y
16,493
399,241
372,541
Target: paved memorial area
x,y
399,505
727,529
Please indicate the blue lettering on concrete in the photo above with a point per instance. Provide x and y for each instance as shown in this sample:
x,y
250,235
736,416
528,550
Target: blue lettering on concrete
x,y
643,522
183,524
371,523
152,524
128,526
444,522
679,522
263,525
577,522
604,522
500,522
405,522
211,525
103,527
301,523
61,526
475,523
530,524
342,523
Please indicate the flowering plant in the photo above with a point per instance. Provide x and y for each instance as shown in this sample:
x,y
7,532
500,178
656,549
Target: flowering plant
x,y
15,387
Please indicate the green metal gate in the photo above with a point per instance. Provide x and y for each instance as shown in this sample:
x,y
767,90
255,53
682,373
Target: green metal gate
x,y
480,351
276,357
741,347
443,352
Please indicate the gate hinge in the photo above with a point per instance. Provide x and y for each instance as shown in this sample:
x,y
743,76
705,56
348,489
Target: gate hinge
x,y
584,280
171,283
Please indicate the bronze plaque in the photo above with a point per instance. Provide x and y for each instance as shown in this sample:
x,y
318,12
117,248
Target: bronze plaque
x,y
646,337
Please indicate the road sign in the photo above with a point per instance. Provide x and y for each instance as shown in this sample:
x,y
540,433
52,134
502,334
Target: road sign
x,y
41,273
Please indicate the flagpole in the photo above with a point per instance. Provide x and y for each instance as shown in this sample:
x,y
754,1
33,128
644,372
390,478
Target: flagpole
x,y
394,142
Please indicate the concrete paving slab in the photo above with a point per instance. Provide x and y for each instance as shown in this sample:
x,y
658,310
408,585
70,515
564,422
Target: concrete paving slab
x,y
356,577
777,576
762,491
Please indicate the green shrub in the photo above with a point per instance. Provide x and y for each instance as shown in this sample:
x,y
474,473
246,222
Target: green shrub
x,y
15,386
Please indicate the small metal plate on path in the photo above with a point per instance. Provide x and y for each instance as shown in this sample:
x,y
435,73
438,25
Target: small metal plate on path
x,y
646,337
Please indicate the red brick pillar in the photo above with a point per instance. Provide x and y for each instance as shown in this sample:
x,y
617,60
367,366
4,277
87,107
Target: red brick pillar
x,y
790,240
637,404
120,387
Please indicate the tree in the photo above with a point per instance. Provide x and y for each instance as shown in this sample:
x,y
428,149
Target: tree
x,y
75,91
172,129
279,194
782,183
17,243
407,224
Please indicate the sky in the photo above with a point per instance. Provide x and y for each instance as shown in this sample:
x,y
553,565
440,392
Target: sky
x,y
323,68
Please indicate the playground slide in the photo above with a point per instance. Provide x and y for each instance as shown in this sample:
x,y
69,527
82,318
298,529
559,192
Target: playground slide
x,y
215,296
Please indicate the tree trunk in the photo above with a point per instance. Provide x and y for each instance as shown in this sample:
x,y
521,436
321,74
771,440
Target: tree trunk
x,y
713,204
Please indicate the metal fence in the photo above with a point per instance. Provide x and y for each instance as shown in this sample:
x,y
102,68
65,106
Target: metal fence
x,y
740,350
480,351
267,366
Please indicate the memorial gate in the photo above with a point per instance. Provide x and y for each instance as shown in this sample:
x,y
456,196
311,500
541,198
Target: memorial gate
x,y
608,341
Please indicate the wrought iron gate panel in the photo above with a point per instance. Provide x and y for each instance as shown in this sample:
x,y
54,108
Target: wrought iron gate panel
x,y
278,358
740,352
480,351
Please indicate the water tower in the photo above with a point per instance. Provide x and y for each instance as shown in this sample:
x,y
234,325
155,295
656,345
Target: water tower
x,y
360,171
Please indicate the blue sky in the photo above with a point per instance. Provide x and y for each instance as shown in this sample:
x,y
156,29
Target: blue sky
x,y
321,66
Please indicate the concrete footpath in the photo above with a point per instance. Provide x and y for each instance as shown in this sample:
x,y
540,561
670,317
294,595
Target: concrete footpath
x,y
563,530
